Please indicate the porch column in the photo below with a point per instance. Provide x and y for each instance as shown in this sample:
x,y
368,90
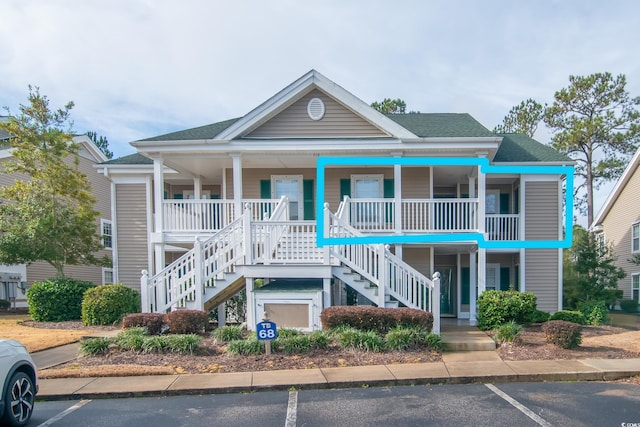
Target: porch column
x,y
237,183
397,192
197,188
473,277
251,304
158,198
472,195
482,270
326,292
481,201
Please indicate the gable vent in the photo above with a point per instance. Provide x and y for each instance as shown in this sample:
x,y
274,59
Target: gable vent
x,y
315,108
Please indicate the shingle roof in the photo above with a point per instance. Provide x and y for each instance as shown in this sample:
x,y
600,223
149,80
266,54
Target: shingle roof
x,y
131,159
518,147
202,132
441,125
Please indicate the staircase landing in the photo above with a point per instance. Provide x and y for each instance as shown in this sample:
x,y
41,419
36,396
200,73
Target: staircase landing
x,y
465,337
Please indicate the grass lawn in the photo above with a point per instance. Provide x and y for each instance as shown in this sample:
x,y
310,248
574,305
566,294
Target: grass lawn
x,y
35,338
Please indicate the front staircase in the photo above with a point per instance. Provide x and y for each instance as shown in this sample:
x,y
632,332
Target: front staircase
x,y
211,272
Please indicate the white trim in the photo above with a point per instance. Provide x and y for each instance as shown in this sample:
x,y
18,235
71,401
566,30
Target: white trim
x,y
104,222
617,189
150,226
114,232
632,275
522,268
113,277
560,274
636,251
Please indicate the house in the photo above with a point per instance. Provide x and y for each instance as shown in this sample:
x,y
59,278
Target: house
x,y
15,279
618,224
205,212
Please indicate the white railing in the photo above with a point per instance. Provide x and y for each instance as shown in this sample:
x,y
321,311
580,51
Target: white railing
x,y
285,242
502,227
427,215
190,215
183,279
371,215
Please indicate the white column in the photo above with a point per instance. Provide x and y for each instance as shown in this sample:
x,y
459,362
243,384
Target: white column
x,y
197,188
472,195
481,201
158,193
237,183
397,193
251,305
473,281
150,225
326,292
435,306
482,270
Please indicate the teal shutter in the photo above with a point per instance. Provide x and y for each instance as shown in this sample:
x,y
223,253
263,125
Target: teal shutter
x,y
178,196
307,196
504,203
465,277
516,196
517,278
388,193
345,187
215,197
265,188
165,195
505,278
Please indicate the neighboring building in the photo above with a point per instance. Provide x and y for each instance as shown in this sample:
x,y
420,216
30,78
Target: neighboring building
x,y
618,224
15,279
245,189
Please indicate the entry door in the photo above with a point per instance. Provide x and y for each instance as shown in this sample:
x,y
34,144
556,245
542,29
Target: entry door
x,y
447,290
290,186
493,277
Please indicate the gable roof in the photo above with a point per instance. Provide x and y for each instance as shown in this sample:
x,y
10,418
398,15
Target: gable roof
x,y
131,159
201,132
427,125
517,147
631,169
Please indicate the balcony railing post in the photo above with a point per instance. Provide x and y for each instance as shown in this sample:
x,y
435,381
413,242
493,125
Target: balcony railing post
x,y
247,235
382,275
435,303
144,291
198,274
326,234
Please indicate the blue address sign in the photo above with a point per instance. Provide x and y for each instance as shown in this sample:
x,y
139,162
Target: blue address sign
x,y
266,331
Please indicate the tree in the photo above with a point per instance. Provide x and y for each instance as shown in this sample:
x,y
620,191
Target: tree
x,y
597,124
590,273
390,106
102,143
47,214
523,118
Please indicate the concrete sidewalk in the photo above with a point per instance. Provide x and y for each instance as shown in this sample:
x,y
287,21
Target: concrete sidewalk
x,y
456,368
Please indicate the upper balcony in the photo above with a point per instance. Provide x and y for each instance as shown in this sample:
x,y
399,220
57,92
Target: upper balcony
x,y
451,215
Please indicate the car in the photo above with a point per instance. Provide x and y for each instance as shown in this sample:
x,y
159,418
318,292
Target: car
x,y
19,379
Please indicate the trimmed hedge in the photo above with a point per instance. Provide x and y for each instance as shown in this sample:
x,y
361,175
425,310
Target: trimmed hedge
x,y
378,319
569,316
595,312
108,304
561,333
57,300
496,308
187,321
629,306
154,322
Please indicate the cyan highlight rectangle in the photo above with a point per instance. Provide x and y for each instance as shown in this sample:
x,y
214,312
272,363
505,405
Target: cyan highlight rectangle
x,y
485,167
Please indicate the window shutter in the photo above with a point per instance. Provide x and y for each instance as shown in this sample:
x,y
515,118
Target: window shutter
x,y
516,195
215,197
505,278
307,195
265,188
504,203
178,196
516,282
465,275
389,190
345,188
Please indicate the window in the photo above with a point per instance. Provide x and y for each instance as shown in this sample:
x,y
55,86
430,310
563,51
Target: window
x,y
107,276
291,187
601,244
635,286
369,211
635,237
107,233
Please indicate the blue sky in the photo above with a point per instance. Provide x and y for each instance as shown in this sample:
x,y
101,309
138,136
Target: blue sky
x,y
140,68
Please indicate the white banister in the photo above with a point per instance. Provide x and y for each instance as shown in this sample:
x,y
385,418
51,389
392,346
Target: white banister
x,y
144,291
435,302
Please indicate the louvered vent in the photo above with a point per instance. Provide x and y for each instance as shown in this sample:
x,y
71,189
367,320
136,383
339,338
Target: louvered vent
x,y
315,109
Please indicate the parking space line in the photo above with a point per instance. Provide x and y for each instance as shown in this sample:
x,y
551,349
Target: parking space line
x,y
528,412
292,409
64,413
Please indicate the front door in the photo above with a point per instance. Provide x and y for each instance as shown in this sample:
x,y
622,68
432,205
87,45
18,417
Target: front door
x,y
290,186
447,291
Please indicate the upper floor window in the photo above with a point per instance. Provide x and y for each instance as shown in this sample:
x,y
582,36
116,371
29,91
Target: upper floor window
x,y
635,237
107,233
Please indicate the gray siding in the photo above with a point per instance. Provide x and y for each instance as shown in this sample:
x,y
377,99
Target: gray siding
x,y
542,219
131,233
337,121
617,228
541,277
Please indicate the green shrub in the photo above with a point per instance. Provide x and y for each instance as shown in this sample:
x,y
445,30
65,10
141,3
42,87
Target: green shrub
x,y
538,316
228,333
245,347
507,332
498,307
595,312
183,343
108,304
561,333
155,344
434,342
288,332
293,344
57,300
629,306
131,339
569,316
95,346
319,340
403,338
187,321
381,320
361,340
4,304
154,322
